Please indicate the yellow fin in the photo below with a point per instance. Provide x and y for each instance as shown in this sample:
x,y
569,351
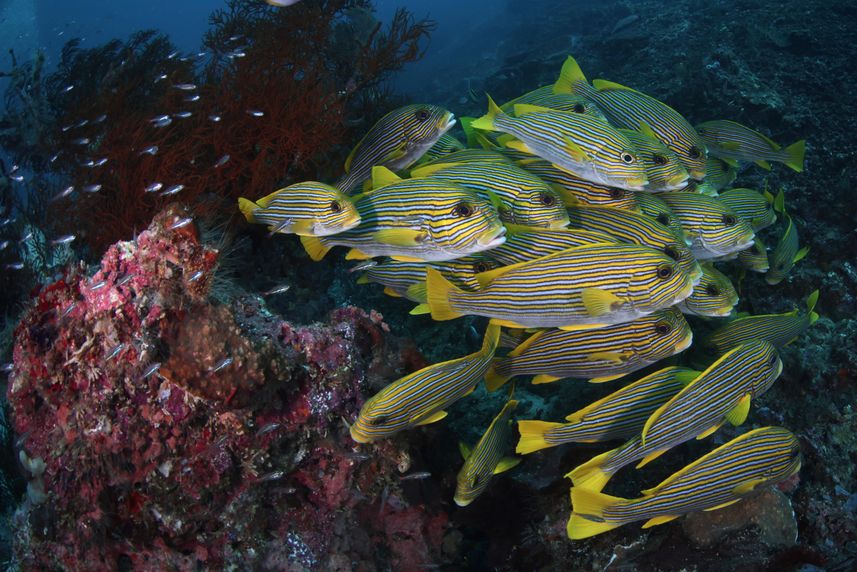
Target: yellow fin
x,y
613,357
604,85
485,278
525,108
651,457
811,301
401,258
433,418
544,378
606,378
302,227
796,152
739,413
533,435
465,450
382,176
660,520
590,475
420,309
399,236
569,75
722,505
314,247
248,208
506,463
438,291
363,279
599,302
747,486
730,146
522,347
518,145
353,254
506,323
417,292
486,122
646,130
575,150
731,162
390,292
587,517
709,431
800,254
581,327
427,170
494,380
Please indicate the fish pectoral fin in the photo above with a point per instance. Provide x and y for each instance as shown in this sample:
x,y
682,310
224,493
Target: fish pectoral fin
x,y
420,309
709,431
574,150
433,418
801,254
544,378
722,505
355,254
651,457
505,464
660,520
517,145
646,130
390,292
303,227
418,292
739,413
606,378
764,164
506,323
731,162
747,486
465,450
400,236
612,357
599,302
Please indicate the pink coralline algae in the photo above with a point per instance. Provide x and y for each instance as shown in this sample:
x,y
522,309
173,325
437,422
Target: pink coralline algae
x,y
162,431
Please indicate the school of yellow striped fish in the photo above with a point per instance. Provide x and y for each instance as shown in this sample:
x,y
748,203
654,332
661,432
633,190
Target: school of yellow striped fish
x,y
584,220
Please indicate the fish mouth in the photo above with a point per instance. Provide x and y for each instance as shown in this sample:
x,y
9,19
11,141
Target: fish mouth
x,y
636,183
677,182
446,123
559,224
683,294
491,240
355,434
696,174
746,244
685,342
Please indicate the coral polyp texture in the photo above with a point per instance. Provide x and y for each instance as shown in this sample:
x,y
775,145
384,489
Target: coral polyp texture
x,y
161,431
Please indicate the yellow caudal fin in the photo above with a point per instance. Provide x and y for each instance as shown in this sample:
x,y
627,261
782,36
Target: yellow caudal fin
x,y
533,435
248,209
486,122
571,77
438,291
314,247
590,474
494,380
795,153
587,517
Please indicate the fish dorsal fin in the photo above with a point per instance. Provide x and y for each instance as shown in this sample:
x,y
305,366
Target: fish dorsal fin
x,y
382,176
739,413
505,464
431,418
599,302
527,108
569,75
523,346
465,450
646,130
605,85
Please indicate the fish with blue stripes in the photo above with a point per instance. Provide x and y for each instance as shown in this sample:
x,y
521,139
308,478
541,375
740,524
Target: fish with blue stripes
x,y
713,228
620,415
306,209
487,458
524,199
597,355
587,286
545,97
713,297
415,220
751,205
526,243
734,142
788,251
662,166
445,145
629,109
576,191
396,141
468,156
778,329
403,279
423,396
586,146
756,459
721,393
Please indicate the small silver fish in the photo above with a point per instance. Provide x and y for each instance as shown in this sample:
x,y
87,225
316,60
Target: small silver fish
x,y
64,193
357,456
68,310
7,367
222,161
124,280
172,55
233,38
419,475
15,266
117,349
365,265
67,128
25,238
161,121
267,428
281,226
54,157
182,114
100,119
185,86
17,178
180,223
255,113
201,54
98,285
67,88
276,290
161,77
172,190
4,245
81,141
150,370
192,98
150,150
88,163
91,188
195,276
224,363
238,54
100,162
272,476
215,118
65,239
154,187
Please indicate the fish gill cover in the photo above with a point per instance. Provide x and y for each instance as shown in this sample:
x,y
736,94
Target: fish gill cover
x,y
187,388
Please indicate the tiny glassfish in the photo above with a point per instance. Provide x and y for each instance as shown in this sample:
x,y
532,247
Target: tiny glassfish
x,y
4,244
15,266
81,141
7,367
117,349
65,239
154,187
282,3
150,150
222,364
196,276
161,77
153,368
214,118
125,279
365,265
222,161
91,188
17,178
67,88
267,428
417,476
185,86
182,114
192,98
255,113
98,285
161,121
100,162
272,476
172,190
25,238
276,290
100,119
172,54
182,222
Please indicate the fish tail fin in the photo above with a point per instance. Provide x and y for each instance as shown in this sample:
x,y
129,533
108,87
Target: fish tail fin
x,y
487,121
533,435
811,301
795,153
248,209
591,474
438,291
571,79
587,517
494,380
314,247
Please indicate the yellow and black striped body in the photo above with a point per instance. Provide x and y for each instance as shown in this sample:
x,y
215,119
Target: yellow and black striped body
x,y
576,191
733,141
545,97
714,229
468,156
723,391
620,415
663,169
521,246
399,278
396,141
714,296
598,355
307,209
750,205
755,459
422,396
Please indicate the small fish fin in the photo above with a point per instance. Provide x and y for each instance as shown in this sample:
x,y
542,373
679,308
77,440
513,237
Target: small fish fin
x,y
506,323
490,340
587,517
302,227
382,176
465,450
763,164
433,418
353,254
581,327
646,130
575,150
570,77
650,457
367,186
739,413
544,378
467,126
248,209
660,520
485,278
801,254
525,108
400,258
599,302
780,202
506,463
399,236
613,357
314,247
708,432
438,291
731,162
486,122
363,279
417,292
606,378
420,309
427,170
721,505
390,292
483,141
811,301
514,229
493,379
533,435
685,377
605,85
590,475
523,346
795,153
518,145
747,486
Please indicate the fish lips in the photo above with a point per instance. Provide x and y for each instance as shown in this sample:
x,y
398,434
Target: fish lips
x,y
494,239
685,342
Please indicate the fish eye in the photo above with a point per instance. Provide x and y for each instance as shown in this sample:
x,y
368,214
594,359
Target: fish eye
x,y
462,210
712,290
547,199
663,218
665,272
480,267
773,360
627,158
663,328
421,114
672,252
579,108
335,206
617,193
659,160
730,220
694,152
